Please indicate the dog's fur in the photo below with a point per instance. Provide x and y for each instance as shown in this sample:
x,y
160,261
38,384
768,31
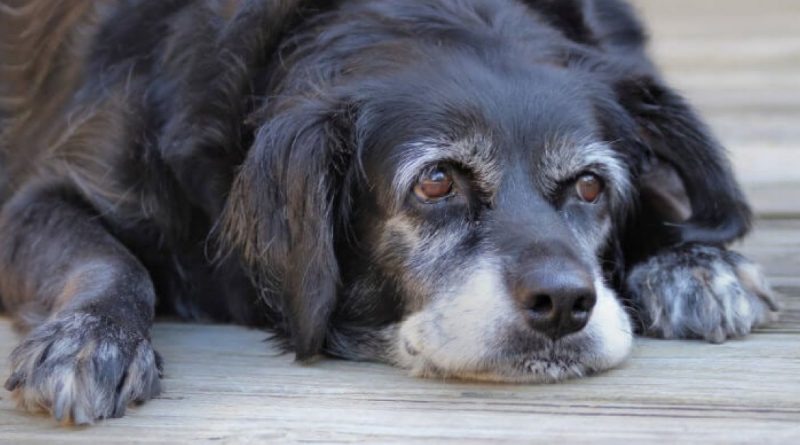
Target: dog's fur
x,y
256,162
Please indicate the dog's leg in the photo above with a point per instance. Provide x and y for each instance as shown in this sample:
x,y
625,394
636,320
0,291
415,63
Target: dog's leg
x,y
87,304
700,291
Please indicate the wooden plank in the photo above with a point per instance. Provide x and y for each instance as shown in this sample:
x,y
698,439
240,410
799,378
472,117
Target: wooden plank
x,y
710,19
775,244
222,382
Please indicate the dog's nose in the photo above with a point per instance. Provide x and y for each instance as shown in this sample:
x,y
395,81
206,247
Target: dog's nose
x,y
559,303
561,311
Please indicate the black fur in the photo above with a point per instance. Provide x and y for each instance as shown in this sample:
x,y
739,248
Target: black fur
x,y
236,161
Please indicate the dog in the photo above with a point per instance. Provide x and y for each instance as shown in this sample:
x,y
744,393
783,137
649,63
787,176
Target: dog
x,y
498,190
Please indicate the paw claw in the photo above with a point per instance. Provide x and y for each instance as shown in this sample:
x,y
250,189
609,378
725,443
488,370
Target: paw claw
x,y
717,336
13,381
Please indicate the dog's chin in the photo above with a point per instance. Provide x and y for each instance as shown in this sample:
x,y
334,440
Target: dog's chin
x,y
514,353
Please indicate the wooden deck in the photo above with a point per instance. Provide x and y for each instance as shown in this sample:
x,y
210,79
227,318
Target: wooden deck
x,y
739,61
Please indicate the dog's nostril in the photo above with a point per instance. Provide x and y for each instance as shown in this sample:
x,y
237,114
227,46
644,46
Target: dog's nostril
x,y
583,305
541,305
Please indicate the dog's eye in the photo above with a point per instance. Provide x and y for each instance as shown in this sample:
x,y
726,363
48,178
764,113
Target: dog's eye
x,y
589,188
434,185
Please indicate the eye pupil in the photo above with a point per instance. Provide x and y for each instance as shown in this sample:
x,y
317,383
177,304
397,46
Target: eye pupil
x,y
589,188
436,184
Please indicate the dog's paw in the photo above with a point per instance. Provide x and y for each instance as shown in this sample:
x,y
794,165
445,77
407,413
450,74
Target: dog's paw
x,y
81,368
700,291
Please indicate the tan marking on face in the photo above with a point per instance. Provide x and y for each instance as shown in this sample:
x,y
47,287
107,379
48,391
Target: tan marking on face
x,y
405,228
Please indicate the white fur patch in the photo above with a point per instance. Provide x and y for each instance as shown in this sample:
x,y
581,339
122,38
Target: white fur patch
x,y
611,328
459,331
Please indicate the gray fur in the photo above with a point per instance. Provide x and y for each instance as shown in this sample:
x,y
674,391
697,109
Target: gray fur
x,y
700,291
81,368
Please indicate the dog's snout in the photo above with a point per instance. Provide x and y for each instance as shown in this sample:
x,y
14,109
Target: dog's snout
x,y
557,301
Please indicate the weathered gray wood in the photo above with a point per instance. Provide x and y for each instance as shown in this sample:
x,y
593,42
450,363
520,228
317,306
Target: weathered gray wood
x,y
222,383
775,199
776,245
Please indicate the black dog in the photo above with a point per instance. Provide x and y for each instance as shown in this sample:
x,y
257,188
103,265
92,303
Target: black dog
x,y
450,186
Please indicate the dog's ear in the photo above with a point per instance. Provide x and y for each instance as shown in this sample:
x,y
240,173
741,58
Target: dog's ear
x,y
663,190
281,212
687,181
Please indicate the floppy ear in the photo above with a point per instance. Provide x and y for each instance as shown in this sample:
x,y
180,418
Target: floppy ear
x,y
280,214
663,190
687,183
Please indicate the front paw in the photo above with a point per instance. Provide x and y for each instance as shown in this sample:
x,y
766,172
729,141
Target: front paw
x,y
81,368
700,291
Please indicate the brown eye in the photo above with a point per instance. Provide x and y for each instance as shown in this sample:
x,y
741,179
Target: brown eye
x,y
434,185
589,188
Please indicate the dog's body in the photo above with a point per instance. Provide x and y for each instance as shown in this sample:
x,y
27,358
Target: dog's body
x,y
467,188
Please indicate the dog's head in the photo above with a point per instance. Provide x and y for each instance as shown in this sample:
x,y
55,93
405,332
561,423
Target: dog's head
x,y
440,194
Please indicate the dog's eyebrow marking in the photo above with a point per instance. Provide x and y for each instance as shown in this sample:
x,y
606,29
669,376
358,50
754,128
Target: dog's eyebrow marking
x,y
475,152
565,159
